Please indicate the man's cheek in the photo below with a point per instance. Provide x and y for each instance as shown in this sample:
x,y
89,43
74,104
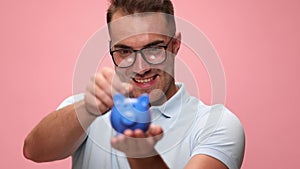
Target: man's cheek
x,y
122,75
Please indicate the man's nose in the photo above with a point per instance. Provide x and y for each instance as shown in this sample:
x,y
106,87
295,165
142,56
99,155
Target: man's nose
x,y
140,66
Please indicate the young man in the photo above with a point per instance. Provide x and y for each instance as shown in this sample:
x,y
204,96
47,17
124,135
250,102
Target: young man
x,y
184,132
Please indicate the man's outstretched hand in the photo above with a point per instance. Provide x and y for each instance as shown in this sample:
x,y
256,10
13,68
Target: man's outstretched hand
x,y
138,144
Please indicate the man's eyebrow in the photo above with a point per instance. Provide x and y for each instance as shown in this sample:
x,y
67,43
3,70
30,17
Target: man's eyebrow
x,y
154,43
122,46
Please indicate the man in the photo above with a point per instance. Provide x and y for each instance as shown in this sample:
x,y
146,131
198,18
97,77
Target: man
x,y
184,132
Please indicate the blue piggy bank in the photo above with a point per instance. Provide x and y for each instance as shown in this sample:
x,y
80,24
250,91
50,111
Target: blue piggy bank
x,y
130,113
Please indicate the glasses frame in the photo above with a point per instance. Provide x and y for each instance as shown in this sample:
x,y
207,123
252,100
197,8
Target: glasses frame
x,y
141,52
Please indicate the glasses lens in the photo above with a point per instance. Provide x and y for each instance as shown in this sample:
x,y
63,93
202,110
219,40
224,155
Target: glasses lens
x,y
123,57
154,55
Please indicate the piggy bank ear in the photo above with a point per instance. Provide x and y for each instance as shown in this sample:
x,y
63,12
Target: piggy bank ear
x,y
143,102
118,99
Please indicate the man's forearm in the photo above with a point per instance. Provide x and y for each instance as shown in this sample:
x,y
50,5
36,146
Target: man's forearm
x,y
151,162
58,135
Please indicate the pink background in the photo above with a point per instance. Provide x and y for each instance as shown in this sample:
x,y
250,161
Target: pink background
x,y
258,43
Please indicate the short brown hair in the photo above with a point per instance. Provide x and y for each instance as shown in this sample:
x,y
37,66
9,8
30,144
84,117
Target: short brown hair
x,y
140,6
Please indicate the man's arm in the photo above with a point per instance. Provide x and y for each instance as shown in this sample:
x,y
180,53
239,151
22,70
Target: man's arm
x,y
139,147
58,135
197,162
148,162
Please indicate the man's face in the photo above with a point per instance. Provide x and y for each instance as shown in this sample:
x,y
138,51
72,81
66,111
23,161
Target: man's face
x,y
140,32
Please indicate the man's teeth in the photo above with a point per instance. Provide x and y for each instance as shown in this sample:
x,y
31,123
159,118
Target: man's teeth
x,y
144,80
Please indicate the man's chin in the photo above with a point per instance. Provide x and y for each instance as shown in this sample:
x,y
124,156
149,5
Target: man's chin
x,y
157,97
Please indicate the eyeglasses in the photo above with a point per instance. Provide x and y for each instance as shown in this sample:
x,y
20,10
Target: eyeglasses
x,y
126,57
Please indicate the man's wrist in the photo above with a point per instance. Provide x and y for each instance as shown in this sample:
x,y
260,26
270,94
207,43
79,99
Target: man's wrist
x,y
84,117
92,113
154,161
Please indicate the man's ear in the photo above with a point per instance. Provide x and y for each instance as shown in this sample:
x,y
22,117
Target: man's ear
x,y
176,43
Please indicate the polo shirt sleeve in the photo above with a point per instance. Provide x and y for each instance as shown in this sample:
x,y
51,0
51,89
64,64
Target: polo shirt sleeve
x,y
220,135
70,100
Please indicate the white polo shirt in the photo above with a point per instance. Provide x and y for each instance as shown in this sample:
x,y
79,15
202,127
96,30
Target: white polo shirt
x,y
190,128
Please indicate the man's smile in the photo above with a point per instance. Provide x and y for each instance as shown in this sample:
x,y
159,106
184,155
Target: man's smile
x,y
144,82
